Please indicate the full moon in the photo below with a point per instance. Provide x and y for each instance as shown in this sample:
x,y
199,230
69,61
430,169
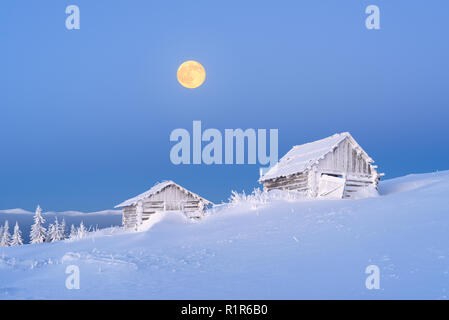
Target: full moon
x,y
191,74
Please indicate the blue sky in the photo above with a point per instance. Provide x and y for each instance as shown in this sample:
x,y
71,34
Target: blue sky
x,y
85,115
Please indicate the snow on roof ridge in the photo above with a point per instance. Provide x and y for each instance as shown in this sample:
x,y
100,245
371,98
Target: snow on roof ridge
x,y
157,187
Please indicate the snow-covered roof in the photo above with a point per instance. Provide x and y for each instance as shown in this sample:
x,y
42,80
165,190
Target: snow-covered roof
x,y
156,189
302,157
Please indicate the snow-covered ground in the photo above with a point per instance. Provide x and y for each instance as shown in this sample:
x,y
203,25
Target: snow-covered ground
x,y
278,248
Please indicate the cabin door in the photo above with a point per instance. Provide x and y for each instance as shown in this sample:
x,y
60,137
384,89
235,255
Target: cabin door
x,y
331,186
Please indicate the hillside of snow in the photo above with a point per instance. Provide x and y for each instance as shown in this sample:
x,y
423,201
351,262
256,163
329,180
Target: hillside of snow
x,y
257,248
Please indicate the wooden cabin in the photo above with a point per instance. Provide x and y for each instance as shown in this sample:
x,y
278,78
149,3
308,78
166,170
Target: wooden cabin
x,y
164,196
334,167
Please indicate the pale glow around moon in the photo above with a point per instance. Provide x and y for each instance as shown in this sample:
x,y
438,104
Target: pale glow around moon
x,y
191,74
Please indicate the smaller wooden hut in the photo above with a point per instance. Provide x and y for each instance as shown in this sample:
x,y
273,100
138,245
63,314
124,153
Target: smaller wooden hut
x,y
333,167
164,196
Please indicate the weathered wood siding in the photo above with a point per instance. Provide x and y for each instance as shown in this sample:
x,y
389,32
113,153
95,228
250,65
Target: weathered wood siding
x,y
129,217
297,182
169,198
351,164
356,182
345,160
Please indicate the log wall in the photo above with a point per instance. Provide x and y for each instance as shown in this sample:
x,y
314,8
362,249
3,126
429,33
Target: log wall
x,y
297,182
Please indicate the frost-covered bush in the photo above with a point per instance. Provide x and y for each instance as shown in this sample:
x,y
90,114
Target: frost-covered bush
x,y
259,198
83,233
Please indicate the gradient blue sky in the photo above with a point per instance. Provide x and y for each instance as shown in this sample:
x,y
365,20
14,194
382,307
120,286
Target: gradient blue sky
x,y
85,115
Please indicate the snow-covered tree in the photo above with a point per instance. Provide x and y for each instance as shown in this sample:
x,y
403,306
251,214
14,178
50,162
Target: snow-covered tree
x,y
54,232
63,227
50,231
73,232
17,236
82,231
38,232
6,236
1,231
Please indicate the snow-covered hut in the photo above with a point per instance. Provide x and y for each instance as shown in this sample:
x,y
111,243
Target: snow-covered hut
x,y
334,167
164,196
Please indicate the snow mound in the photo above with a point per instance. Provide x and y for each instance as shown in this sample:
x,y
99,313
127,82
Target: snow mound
x,y
412,182
174,217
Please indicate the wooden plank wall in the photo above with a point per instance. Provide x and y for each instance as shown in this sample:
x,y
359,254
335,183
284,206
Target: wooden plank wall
x,y
297,182
354,184
170,198
344,160
129,218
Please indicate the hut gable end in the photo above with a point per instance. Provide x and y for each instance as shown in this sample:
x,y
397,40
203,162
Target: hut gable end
x,y
346,157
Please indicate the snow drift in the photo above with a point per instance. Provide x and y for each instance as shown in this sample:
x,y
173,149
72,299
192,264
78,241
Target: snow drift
x,y
257,247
